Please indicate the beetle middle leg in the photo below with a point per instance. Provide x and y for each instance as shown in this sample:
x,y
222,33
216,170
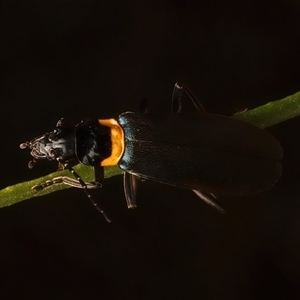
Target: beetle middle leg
x,y
129,180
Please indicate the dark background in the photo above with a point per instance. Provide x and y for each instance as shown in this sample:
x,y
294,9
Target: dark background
x,y
98,59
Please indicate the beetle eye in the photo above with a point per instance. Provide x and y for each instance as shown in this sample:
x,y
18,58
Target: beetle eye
x,y
52,152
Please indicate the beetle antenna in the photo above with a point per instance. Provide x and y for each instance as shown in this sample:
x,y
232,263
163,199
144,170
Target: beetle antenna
x,y
85,188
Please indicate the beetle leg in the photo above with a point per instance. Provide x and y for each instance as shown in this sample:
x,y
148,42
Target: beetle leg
x,y
39,187
62,122
210,199
177,106
129,180
60,167
63,180
177,99
86,190
79,183
144,106
130,187
99,175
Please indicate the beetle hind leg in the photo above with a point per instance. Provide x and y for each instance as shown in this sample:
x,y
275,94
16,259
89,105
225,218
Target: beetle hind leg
x,y
179,92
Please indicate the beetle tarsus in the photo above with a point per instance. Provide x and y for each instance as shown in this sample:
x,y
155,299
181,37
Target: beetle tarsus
x,y
106,217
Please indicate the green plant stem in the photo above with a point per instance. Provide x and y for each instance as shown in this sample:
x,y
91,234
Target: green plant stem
x,y
263,116
22,191
273,112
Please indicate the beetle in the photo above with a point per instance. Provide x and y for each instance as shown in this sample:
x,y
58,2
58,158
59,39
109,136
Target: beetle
x,y
210,154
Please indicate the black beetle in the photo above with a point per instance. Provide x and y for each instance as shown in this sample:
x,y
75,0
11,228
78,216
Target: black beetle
x,y
207,153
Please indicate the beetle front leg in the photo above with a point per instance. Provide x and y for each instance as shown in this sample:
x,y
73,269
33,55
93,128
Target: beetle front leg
x,y
63,180
86,190
42,186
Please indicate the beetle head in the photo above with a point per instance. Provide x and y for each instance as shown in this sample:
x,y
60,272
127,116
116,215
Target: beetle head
x,y
58,144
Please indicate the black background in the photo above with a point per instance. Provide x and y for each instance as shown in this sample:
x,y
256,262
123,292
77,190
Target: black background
x,y
98,59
